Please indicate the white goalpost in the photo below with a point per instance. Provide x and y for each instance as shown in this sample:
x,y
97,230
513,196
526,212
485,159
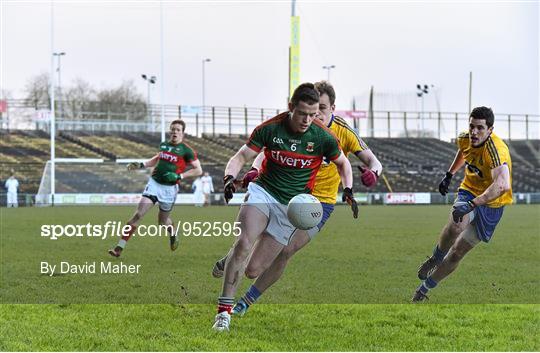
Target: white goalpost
x,y
88,180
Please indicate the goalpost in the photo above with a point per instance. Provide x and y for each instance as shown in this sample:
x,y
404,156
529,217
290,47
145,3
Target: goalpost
x,y
85,180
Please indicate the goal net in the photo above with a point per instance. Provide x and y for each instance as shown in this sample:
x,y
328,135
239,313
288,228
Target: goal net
x,y
80,181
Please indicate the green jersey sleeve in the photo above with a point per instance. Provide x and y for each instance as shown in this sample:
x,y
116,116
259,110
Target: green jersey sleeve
x,y
257,139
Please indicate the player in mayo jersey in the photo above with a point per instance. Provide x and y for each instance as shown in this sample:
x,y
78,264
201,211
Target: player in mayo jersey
x,y
326,189
295,144
479,206
169,165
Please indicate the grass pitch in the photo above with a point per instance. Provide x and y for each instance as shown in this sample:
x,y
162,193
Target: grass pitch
x,y
347,290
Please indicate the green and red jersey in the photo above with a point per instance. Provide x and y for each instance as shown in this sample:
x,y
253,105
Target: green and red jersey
x,y
172,158
291,159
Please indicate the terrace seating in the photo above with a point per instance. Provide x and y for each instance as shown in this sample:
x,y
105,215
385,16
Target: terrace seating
x,y
410,164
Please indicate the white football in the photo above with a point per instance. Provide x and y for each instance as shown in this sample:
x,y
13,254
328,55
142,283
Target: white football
x,y
304,211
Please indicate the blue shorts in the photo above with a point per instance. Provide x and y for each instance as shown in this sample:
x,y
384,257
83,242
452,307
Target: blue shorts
x,y
327,208
485,218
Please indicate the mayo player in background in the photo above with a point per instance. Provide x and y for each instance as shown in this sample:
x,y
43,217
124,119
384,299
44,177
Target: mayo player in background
x,y
169,165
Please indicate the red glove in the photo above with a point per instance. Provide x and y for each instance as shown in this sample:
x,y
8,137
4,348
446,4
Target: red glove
x,y
249,177
369,177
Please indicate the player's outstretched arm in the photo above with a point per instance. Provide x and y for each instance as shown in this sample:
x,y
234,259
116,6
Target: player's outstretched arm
x,y
459,161
371,174
235,164
456,165
152,161
195,171
257,162
253,172
141,165
500,185
345,172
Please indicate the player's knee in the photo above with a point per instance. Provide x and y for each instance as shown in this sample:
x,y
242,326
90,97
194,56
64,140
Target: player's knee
x,y
454,229
286,254
164,221
242,248
252,272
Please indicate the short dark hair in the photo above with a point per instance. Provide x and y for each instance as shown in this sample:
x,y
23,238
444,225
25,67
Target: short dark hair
x,y
307,93
483,113
181,122
326,87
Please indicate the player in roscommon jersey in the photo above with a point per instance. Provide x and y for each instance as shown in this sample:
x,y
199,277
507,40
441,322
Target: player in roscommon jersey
x,y
326,190
169,165
482,195
294,143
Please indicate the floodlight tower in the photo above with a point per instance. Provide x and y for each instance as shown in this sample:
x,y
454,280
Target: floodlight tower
x,y
421,91
204,61
59,55
328,68
150,80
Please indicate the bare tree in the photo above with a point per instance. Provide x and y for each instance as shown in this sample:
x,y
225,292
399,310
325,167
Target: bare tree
x,y
79,98
37,91
82,101
123,100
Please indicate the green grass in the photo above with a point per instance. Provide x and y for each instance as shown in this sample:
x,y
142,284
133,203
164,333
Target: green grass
x,y
293,327
345,291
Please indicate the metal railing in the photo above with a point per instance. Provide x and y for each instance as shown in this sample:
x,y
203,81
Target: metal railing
x,y
241,120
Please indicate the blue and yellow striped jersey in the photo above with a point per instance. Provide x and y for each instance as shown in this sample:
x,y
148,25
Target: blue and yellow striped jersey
x,y
479,161
327,180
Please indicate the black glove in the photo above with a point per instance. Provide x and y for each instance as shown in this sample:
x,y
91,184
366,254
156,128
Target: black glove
x,y
349,198
229,189
445,183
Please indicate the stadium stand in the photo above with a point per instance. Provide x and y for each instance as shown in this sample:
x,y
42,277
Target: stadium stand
x,y
410,164
25,152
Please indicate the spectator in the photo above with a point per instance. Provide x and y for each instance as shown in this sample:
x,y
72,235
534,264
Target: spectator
x,y
207,188
12,185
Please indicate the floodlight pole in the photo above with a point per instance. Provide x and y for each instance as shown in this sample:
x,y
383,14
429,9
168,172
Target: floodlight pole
x,y
161,72
204,61
421,91
328,68
59,70
149,80
52,113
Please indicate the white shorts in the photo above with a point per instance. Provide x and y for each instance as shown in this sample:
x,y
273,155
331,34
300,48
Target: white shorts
x,y
278,225
164,194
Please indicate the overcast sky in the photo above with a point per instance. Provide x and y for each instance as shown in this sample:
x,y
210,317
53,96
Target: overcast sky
x,y
390,45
